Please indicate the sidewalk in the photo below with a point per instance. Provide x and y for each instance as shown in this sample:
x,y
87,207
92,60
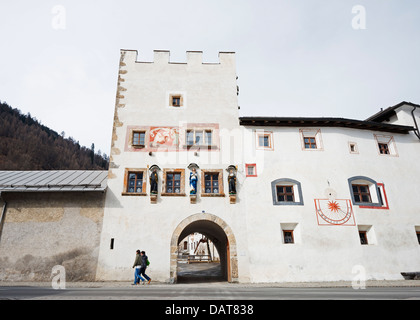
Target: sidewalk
x,y
123,284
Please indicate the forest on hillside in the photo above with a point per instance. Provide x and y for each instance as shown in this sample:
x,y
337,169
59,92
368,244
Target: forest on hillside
x,y
26,144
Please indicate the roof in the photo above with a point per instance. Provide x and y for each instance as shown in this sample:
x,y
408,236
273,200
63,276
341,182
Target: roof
x,y
323,122
390,111
53,181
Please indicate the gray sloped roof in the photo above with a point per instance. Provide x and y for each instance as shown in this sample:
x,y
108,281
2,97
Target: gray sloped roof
x,y
53,180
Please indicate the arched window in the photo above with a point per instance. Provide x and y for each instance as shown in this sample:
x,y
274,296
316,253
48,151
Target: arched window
x,y
364,191
286,191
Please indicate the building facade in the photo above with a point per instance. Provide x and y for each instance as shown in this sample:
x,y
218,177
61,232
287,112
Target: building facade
x,y
282,199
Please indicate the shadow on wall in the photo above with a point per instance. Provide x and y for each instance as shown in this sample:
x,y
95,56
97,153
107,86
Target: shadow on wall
x,y
80,265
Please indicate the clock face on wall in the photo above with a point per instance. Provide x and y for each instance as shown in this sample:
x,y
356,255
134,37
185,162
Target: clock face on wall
x,y
334,212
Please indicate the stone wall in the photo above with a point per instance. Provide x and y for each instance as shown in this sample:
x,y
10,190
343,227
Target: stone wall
x,y
41,230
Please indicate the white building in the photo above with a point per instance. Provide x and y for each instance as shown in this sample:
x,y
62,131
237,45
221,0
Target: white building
x,y
315,197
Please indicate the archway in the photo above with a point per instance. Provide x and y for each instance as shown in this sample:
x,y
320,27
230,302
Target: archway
x,y
218,232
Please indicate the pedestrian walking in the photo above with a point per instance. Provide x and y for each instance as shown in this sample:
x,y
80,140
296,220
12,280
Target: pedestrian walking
x,y
137,266
144,263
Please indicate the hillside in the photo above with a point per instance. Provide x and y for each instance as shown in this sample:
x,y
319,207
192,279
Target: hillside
x,y
26,144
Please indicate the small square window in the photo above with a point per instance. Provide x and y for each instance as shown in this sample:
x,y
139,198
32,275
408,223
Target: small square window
x,y
310,143
353,147
288,236
383,148
176,101
418,236
264,140
251,170
363,237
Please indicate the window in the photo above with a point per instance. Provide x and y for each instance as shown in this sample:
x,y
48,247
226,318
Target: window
x,y
383,148
251,170
363,237
135,182
366,193
353,147
290,233
366,235
285,194
286,191
264,140
176,100
173,184
212,183
310,142
386,145
311,139
288,236
139,138
198,138
361,193
417,229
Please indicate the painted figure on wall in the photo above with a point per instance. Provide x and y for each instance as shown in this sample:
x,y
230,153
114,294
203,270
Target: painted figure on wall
x,y
193,181
154,182
232,182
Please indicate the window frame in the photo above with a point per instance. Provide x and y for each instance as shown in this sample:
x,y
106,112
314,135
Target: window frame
x,y
127,172
262,133
375,197
291,235
365,237
165,180
139,145
313,133
297,190
387,140
285,193
251,165
220,183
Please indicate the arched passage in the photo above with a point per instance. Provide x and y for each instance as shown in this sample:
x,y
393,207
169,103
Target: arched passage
x,y
218,232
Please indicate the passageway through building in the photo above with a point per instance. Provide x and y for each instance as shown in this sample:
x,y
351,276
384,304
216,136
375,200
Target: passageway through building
x,y
198,260
211,229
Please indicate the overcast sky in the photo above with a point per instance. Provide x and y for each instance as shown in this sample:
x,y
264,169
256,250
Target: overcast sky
x,y
293,57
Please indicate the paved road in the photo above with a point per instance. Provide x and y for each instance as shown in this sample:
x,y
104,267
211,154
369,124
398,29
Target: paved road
x,y
207,292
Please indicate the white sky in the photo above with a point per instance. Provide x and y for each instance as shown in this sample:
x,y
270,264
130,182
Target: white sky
x,y
293,57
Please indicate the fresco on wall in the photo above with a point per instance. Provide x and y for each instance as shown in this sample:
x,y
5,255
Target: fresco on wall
x,y
338,212
164,137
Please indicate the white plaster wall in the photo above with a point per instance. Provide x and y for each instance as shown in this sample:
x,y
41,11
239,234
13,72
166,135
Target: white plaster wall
x,y
133,221
328,253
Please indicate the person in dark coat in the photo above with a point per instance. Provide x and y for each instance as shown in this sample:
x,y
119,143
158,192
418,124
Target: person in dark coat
x,y
137,266
144,266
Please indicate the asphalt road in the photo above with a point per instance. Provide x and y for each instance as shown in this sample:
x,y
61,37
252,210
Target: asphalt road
x,y
206,292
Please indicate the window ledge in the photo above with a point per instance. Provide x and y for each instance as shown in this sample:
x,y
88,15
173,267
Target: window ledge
x,y
138,146
133,194
212,194
164,194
